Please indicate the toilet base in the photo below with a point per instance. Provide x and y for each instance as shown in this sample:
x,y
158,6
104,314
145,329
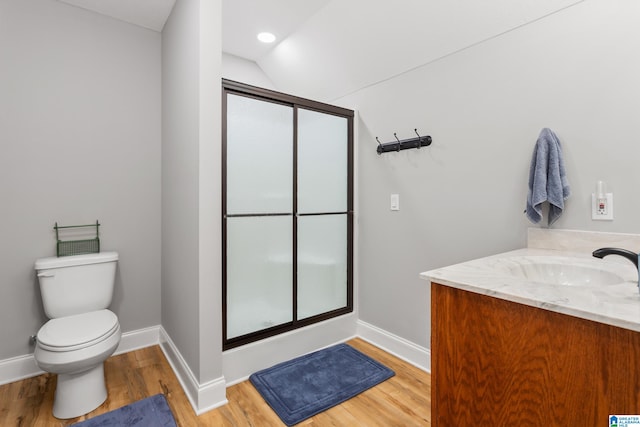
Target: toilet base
x,y
80,393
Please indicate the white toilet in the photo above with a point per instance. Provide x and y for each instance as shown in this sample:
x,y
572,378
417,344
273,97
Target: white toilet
x,y
82,333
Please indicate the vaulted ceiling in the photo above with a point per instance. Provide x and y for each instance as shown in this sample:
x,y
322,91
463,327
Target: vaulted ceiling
x,y
151,14
329,48
242,19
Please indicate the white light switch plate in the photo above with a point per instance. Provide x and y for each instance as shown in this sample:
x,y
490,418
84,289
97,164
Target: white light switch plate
x,y
395,202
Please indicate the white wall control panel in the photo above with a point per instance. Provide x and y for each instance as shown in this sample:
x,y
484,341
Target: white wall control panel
x,y
602,207
395,202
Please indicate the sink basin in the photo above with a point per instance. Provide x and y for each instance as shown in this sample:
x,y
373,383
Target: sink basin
x,y
563,271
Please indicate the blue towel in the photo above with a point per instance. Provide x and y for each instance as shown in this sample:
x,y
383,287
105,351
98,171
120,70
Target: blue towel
x,y
547,178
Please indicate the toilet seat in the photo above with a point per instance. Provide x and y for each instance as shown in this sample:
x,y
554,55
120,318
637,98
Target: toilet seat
x,y
78,331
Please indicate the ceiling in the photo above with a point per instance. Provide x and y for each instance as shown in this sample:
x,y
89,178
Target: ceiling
x,y
327,49
151,14
242,19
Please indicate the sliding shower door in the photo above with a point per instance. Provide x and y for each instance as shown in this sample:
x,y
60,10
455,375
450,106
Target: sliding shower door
x,y
322,212
287,213
259,206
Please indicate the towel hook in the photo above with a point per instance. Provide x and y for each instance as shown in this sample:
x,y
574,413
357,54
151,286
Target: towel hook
x,y
399,143
419,138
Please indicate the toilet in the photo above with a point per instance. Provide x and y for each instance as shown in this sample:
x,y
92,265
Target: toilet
x,y
81,333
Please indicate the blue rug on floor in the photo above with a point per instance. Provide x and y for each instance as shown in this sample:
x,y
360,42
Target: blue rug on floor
x,y
152,411
308,385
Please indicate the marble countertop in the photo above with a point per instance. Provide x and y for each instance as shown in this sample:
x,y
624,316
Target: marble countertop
x,y
498,276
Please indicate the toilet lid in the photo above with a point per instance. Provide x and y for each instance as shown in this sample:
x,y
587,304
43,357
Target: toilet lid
x,y
77,331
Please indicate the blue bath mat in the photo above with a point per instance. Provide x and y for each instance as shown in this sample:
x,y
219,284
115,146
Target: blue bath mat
x,y
152,411
310,384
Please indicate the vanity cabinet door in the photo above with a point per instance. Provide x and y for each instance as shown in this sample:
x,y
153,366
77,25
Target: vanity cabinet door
x,y
500,363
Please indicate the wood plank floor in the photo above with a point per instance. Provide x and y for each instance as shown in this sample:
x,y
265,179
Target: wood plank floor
x,y
403,400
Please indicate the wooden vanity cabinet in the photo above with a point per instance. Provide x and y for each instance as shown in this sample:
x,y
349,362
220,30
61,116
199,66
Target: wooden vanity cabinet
x,y
497,363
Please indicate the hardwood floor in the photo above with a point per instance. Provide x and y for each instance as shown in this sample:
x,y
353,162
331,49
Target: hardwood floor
x,y
403,400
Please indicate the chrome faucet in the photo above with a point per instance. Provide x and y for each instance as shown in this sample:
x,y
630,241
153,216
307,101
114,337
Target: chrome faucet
x,y
631,256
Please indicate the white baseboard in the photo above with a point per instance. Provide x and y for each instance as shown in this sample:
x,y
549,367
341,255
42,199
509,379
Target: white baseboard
x,y
138,339
207,396
21,367
418,356
203,397
18,368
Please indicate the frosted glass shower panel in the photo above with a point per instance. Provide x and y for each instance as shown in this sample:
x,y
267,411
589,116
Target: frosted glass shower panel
x,y
322,264
259,273
259,156
322,162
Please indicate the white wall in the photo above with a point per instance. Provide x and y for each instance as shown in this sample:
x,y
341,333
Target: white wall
x,y
245,71
575,71
80,137
180,179
191,218
79,141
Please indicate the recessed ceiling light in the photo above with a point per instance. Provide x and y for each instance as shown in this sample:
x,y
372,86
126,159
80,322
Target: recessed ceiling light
x,y
266,37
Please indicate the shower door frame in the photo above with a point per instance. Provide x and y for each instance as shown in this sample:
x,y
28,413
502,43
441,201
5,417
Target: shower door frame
x,y
242,89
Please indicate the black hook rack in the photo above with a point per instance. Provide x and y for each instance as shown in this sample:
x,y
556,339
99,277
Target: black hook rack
x,y
405,144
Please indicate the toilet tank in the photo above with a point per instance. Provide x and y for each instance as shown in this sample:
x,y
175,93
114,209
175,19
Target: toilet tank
x,y
76,284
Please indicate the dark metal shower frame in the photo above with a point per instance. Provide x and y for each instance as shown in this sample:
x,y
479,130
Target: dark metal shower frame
x,y
242,89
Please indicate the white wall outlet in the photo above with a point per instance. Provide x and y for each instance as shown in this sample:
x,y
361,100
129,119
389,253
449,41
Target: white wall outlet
x,y
395,202
602,211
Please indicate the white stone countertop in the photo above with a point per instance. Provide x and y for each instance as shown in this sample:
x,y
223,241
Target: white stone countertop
x,y
503,276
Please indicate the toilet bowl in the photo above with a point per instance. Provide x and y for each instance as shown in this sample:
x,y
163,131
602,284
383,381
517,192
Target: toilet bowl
x,y
75,347
81,333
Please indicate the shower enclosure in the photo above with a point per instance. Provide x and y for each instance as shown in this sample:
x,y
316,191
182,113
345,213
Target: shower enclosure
x,y
287,212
